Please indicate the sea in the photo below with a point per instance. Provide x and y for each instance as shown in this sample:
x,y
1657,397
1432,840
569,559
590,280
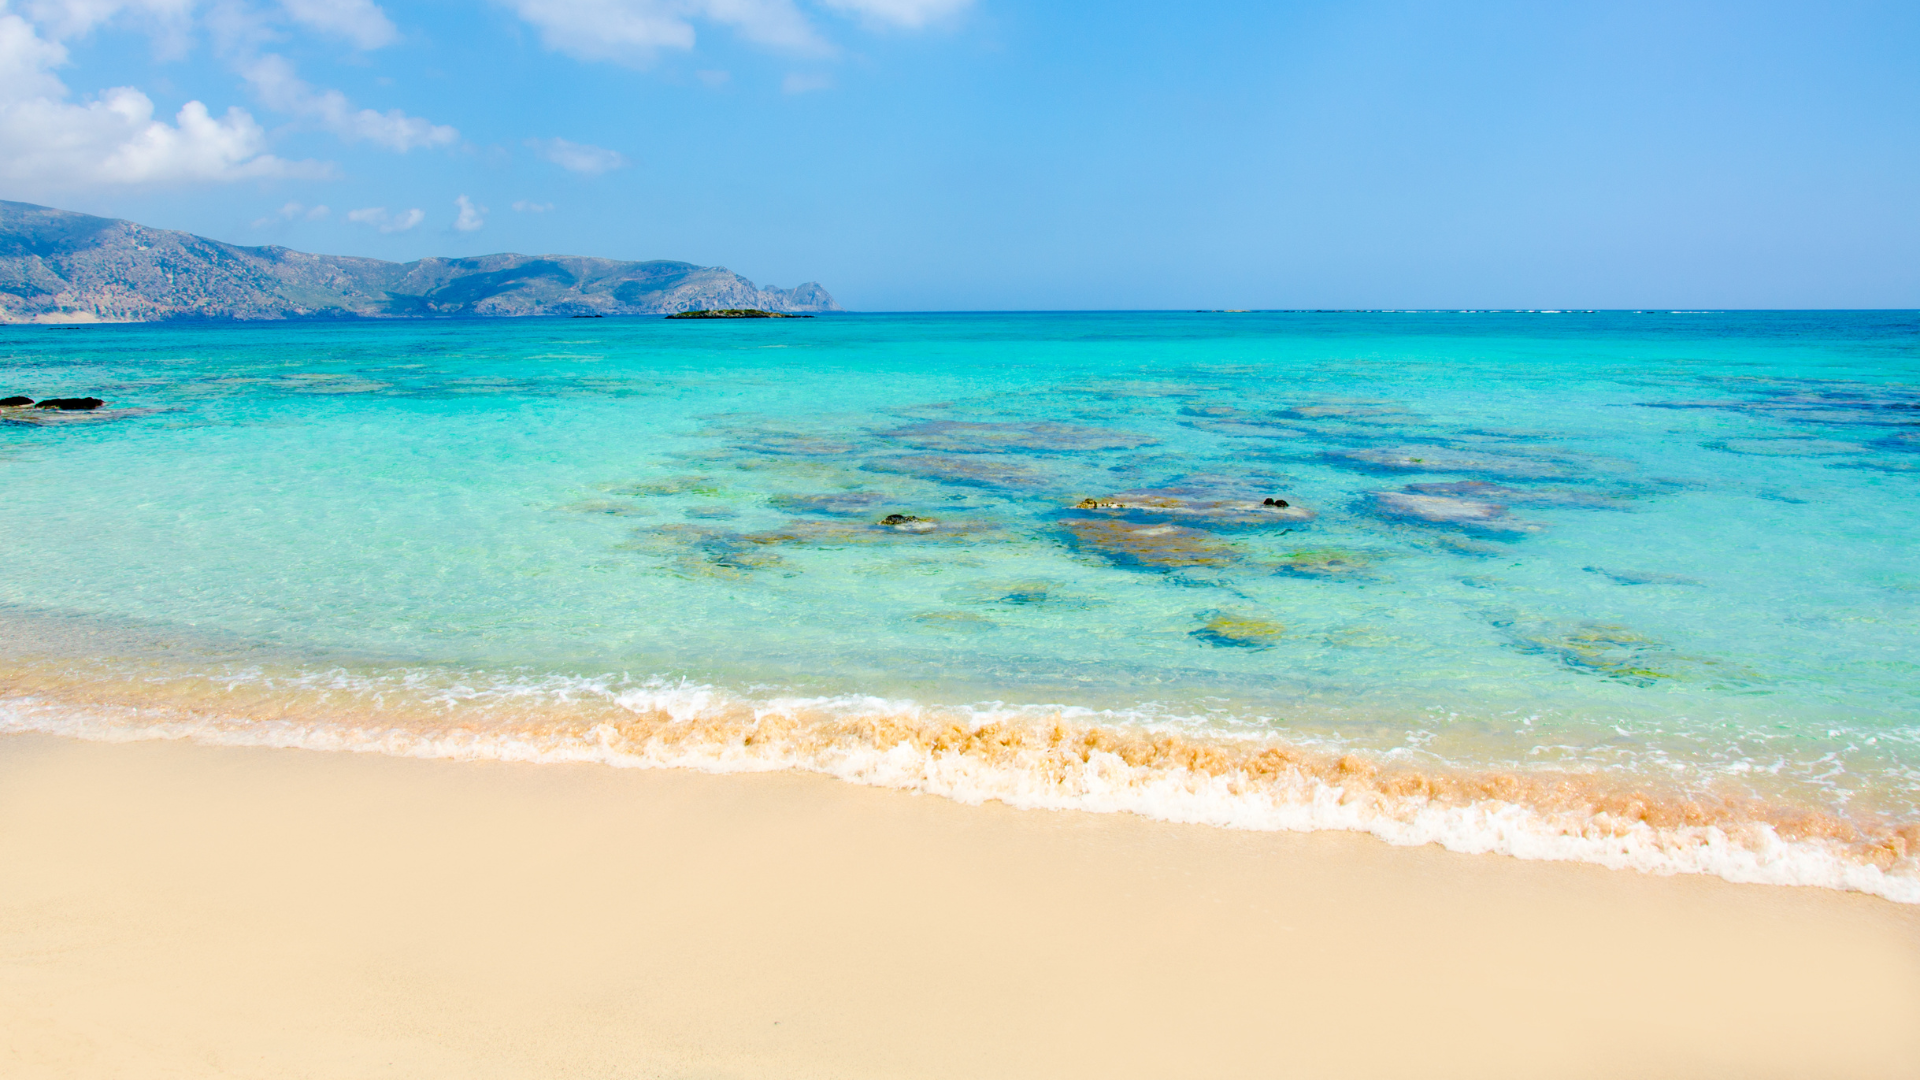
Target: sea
x,y
1635,588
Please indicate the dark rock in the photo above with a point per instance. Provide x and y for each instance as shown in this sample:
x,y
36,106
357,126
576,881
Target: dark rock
x,y
1197,504
16,400
907,523
734,313
70,404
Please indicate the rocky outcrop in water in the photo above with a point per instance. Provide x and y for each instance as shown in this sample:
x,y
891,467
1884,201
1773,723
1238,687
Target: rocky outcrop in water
x,y
1196,505
732,313
58,266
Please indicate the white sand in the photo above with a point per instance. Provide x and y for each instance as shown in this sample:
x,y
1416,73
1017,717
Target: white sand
x,y
178,911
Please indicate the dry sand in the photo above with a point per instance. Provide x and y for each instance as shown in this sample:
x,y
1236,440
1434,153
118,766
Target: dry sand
x,y
177,911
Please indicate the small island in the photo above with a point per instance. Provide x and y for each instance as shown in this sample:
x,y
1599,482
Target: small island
x,y
736,313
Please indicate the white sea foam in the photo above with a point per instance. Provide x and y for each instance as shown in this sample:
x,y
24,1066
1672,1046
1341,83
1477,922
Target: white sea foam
x,y
1053,758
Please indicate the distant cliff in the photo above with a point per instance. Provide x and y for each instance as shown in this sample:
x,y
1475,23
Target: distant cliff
x,y
58,266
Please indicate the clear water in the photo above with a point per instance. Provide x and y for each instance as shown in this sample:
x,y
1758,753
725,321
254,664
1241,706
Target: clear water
x,y
1662,552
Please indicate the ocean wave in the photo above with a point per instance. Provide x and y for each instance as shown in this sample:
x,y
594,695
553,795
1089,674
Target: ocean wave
x,y
1028,757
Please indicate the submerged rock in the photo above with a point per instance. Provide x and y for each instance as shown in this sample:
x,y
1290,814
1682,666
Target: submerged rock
x,y
1443,510
610,507
1326,563
969,437
1138,388
697,551
1856,405
1785,447
1199,505
1639,577
822,533
1013,593
800,445
1249,428
1363,410
15,401
981,470
953,621
1443,460
69,404
839,504
669,485
1229,631
1141,545
1605,649
1482,490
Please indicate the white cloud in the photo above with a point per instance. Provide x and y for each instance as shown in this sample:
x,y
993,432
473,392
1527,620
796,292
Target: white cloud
x,y
525,207
359,21
579,157
714,78
273,78
63,19
471,217
115,139
908,13
797,83
294,210
378,217
27,62
634,30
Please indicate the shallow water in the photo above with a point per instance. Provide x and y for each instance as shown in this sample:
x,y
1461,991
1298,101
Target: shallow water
x,y
1535,570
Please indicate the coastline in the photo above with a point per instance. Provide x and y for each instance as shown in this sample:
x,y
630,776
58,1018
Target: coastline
x,y
258,912
1028,758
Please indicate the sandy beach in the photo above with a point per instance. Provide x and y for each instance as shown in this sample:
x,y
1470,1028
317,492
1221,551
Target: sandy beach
x,y
169,910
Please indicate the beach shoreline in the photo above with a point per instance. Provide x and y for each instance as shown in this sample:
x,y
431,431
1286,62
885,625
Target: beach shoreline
x,y
1183,770
174,909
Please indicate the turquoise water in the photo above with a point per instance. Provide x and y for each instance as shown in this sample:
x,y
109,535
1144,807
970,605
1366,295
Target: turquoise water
x,y
1654,551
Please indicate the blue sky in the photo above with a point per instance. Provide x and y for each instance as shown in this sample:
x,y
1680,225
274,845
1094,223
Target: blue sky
x,y
986,154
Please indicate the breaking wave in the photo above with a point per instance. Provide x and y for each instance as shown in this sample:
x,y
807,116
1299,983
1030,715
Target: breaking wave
x,y
1029,757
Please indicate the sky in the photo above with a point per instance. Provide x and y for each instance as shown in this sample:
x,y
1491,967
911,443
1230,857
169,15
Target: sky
x,y
1000,155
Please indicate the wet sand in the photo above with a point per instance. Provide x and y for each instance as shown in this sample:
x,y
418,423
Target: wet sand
x,y
169,910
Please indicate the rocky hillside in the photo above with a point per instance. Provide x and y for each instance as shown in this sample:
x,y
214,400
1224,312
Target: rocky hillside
x,y
57,266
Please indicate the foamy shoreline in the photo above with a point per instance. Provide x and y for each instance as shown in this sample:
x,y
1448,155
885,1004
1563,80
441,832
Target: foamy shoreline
x,y
183,909
1053,758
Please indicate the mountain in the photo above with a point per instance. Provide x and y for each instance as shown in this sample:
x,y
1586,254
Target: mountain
x,y
59,266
